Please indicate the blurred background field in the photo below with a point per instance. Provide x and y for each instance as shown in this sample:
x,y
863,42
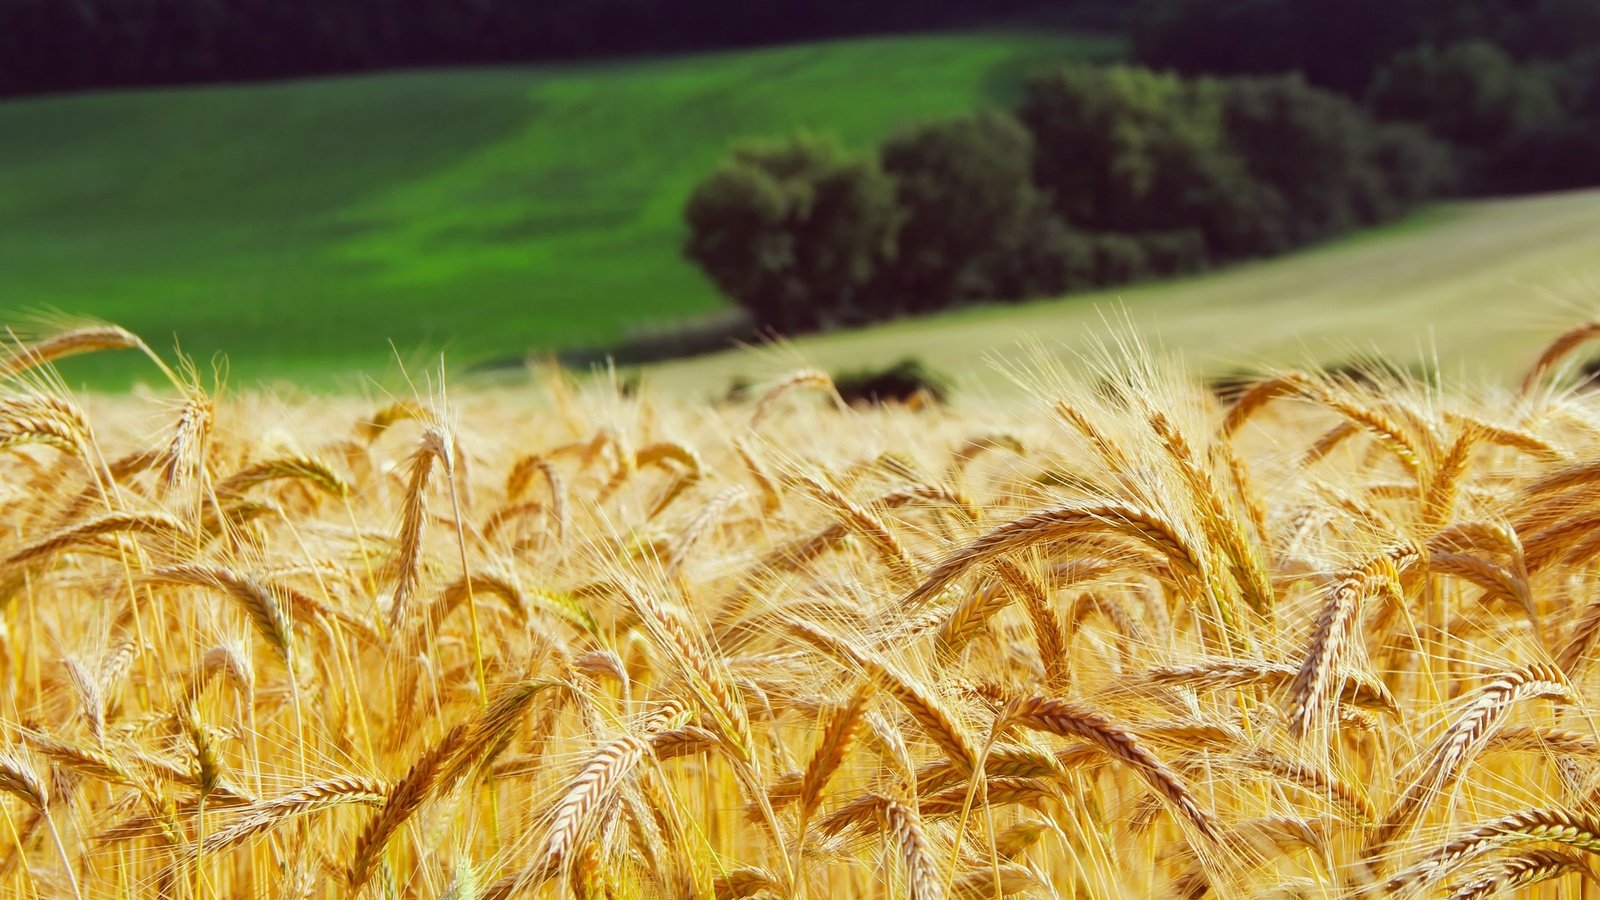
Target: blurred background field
x,y
329,192
485,212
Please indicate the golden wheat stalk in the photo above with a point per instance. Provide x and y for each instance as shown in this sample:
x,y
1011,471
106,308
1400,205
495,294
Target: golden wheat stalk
x,y
88,339
1047,630
1453,749
1112,456
1537,825
263,606
837,739
1314,683
986,883
435,446
49,420
373,426
1059,525
585,793
522,473
185,455
1525,869
486,732
18,778
88,761
1557,351
1315,781
306,468
148,522
811,378
743,882
1359,688
266,815
400,803
708,679
863,522
1072,720
905,827
1223,524
937,720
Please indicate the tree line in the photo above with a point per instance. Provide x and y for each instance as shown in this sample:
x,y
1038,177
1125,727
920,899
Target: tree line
x,y
1512,85
1099,177
1247,128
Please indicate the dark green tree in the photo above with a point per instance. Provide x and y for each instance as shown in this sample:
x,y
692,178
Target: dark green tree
x,y
1412,168
1251,166
1577,82
1505,119
966,189
1107,176
1124,149
1560,154
1047,259
1472,94
1332,166
1550,157
794,231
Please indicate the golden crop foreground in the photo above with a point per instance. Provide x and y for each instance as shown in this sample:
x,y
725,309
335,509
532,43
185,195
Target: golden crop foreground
x,y
1332,640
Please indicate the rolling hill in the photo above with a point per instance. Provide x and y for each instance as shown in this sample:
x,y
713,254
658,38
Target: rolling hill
x,y
1488,281
302,226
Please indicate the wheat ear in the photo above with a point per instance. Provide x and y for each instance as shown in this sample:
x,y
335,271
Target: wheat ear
x,y
1072,720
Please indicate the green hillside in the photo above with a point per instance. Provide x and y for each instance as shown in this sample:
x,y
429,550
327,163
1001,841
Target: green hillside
x,y
1487,282
301,226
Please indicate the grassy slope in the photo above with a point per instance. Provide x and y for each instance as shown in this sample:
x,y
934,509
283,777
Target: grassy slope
x,y
1489,281
300,226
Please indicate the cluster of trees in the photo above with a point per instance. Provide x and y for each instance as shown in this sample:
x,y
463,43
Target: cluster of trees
x,y
52,45
1212,153
1512,85
1102,176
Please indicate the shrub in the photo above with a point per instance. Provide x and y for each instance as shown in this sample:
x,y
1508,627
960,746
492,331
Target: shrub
x,y
1228,387
903,382
1371,371
1588,375
741,389
652,342
1242,216
1362,372
794,231
1475,73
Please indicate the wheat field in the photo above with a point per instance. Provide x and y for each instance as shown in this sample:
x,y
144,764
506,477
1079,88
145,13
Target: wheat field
x,y
1330,638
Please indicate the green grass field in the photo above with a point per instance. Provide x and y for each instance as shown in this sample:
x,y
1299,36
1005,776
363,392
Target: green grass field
x,y
1488,283
301,226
